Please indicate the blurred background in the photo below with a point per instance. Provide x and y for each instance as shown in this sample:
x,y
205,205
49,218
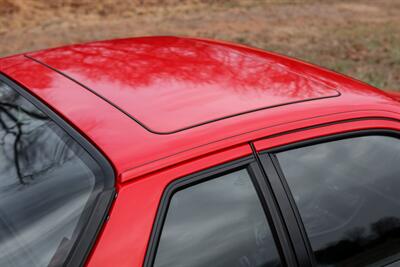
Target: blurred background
x,y
360,38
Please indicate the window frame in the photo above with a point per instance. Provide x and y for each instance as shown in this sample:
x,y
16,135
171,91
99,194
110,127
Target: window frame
x,y
264,195
292,218
100,206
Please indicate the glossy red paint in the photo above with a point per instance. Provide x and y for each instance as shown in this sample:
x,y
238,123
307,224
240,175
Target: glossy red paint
x,y
395,95
136,208
145,151
169,84
175,77
146,194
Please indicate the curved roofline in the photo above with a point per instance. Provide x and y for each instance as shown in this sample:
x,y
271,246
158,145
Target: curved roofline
x,y
214,49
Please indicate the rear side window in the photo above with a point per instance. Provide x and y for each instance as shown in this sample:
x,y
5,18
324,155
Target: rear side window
x,y
48,184
219,223
347,193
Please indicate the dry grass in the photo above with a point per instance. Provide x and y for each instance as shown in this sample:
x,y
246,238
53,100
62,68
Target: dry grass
x,y
360,38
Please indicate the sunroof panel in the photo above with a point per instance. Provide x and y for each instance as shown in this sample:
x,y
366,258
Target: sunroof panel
x,y
171,84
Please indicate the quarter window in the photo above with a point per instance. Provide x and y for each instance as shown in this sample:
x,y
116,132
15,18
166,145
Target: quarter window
x,y
219,223
47,185
347,193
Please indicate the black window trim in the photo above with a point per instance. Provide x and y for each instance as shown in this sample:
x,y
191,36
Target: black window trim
x,y
286,210
285,198
285,251
101,205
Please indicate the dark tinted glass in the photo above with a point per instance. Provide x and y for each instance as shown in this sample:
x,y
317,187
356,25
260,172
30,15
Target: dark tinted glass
x,y
347,192
46,183
218,223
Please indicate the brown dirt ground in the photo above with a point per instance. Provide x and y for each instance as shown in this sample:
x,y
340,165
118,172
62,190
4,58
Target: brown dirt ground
x,y
360,38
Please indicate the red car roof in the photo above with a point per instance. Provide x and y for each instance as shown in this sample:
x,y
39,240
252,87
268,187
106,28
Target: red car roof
x,y
181,97
170,84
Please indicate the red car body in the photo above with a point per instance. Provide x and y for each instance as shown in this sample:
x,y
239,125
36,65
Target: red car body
x,y
160,108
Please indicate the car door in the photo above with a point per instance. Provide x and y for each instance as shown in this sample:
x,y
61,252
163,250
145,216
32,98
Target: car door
x,y
223,216
338,191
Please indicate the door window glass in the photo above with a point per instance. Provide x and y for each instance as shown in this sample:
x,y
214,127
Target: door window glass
x,y
348,196
219,223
